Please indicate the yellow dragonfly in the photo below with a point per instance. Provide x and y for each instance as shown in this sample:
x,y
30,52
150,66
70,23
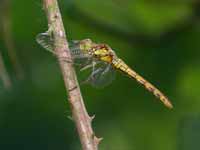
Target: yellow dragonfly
x,y
102,61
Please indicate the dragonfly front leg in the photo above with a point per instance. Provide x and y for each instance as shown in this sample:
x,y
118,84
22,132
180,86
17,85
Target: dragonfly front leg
x,y
94,71
92,76
93,64
107,69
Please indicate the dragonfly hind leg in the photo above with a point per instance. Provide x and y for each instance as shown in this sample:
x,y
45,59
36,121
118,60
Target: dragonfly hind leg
x,y
101,76
94,71
92,76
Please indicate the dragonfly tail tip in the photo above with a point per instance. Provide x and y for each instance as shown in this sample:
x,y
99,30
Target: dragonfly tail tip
x,y
169,105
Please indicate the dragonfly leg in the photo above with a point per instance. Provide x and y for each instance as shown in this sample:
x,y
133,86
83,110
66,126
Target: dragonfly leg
x,y
92,76
93,64
96,72
106,69
86,67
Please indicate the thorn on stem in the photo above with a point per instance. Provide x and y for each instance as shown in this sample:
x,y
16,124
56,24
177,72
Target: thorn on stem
x,y
97,140
70,118
91,118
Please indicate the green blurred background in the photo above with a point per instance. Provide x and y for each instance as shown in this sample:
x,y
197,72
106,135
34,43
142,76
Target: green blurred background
x,y
158,38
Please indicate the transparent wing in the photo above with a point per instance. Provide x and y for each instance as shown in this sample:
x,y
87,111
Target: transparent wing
x,y
46,41
102,75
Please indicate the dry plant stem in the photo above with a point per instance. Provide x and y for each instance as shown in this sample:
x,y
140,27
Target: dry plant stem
x,y
79,113
7,35
4,75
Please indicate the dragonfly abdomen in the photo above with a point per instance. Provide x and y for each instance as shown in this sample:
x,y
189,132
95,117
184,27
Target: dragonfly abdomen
x,y
120,65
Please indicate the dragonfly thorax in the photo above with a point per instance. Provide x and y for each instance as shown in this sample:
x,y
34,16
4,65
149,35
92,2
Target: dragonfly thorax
x,y
103,53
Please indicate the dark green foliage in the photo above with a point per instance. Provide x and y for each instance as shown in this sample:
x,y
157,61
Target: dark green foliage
x,y
159,39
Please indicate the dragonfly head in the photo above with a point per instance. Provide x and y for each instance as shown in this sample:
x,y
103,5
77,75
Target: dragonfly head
x,y
86,44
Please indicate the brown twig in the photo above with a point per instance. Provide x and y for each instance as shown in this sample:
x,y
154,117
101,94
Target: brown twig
x,y
83,121
7,35
3,74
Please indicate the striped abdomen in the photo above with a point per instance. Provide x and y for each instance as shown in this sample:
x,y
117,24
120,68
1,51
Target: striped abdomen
x,y
120,65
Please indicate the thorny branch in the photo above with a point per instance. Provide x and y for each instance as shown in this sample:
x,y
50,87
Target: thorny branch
x,y
83,121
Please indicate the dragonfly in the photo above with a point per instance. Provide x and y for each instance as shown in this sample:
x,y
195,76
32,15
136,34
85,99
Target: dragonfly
x,y
103,62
